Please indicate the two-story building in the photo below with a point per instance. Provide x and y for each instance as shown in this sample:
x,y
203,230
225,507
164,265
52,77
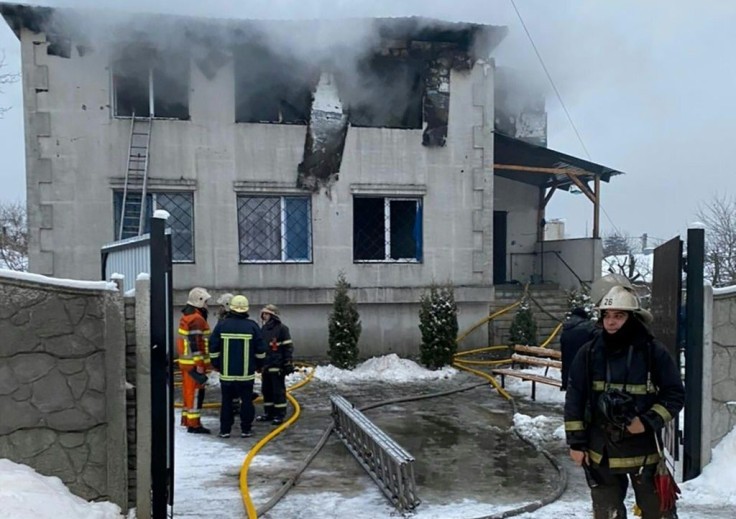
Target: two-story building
x,y
391,149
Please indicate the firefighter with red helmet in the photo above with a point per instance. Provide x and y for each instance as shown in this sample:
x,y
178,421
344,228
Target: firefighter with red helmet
x,y
194,358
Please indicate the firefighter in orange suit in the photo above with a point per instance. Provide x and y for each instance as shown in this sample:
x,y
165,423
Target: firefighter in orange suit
x,y
194,358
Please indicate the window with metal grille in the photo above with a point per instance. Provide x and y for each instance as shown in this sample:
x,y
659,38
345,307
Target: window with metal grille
x,y
387,229
180,207
275,229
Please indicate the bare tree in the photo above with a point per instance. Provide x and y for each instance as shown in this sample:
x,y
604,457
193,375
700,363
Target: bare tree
x,y
5,79
620,257
13,236
719,217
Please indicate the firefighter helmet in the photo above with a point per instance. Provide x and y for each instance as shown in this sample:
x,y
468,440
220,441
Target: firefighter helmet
x,y
624,299
273,310
198,297
239,304
224,300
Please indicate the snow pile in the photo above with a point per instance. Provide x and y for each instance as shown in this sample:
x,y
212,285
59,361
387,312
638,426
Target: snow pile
x,y
715,484
540,429
25,494
389,368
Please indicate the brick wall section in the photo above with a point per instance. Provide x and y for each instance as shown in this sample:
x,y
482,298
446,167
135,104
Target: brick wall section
x,y
62,384
130,396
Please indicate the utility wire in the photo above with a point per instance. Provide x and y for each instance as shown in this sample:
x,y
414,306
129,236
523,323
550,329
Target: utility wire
x,y
562,103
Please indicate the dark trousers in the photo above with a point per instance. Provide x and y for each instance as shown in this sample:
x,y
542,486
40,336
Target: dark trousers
x,y
230,392
274,393
608,496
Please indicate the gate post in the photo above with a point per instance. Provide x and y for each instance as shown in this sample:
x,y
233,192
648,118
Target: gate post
x,y
692,462
162,439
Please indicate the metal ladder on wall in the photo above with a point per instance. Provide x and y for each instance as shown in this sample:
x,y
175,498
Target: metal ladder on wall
x,y
133,207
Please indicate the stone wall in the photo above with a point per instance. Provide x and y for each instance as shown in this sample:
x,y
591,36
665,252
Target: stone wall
x,y
723,407
62,382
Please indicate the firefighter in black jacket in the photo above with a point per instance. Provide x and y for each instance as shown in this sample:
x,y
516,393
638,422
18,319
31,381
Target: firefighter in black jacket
x,y
623,388
577,330
278,364
237,351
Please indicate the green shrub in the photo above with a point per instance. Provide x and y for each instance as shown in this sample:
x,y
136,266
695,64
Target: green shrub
x,y
523,328
344,327
438,324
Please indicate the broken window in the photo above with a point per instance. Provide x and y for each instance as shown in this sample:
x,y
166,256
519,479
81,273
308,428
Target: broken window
x,y
387,229
270,88
275,229
148,83
181,220
386,92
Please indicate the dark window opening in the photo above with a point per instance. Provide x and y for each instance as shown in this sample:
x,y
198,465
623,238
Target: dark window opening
x,y
271,88
386,92
181,219
387,229
275,229
137,77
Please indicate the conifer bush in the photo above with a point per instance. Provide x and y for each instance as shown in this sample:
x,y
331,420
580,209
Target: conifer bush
x,y
438,325
523,328
344,327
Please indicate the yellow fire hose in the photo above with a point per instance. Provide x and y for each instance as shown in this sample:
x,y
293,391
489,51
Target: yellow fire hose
x,y
244,491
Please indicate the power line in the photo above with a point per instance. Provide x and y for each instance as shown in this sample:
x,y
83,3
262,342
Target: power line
x,y
559,98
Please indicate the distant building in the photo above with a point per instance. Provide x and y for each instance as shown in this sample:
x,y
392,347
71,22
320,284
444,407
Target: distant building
x,y
386,158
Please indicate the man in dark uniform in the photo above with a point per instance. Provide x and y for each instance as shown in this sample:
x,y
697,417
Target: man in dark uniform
x,y
237,351
278,364
623,388
576,331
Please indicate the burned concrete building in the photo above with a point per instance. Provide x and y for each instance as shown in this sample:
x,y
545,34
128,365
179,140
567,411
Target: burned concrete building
x,y
288,151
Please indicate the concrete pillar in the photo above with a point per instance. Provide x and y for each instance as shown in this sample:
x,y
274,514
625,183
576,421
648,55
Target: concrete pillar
x,y
117,437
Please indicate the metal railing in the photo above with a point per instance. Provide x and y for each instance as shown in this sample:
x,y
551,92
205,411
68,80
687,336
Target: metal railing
x,y
387,463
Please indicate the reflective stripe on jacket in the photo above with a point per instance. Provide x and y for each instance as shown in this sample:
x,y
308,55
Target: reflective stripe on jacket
x,y
237,348
193,340
652,379
279,346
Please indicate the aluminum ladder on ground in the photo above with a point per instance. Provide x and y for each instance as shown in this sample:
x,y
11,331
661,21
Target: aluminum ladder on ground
x,y
133,206
387,463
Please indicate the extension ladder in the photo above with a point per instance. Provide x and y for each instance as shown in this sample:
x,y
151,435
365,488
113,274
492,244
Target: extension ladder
x,y
133,207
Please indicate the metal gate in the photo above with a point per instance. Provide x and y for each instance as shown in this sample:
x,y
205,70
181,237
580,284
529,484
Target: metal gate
x,y
680,328
667,325
162,379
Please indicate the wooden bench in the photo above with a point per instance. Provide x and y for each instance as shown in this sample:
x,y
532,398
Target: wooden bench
x,y
538,352
526,376
535,361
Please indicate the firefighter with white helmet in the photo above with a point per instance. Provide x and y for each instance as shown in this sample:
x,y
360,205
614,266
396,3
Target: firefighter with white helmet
x,y
194,358
237,352
224,302
624,386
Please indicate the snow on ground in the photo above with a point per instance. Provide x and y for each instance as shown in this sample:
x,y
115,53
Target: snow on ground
x,y
26,495
716,482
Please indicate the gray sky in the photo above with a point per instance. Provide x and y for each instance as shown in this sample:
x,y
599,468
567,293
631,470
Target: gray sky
x,y
651,87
